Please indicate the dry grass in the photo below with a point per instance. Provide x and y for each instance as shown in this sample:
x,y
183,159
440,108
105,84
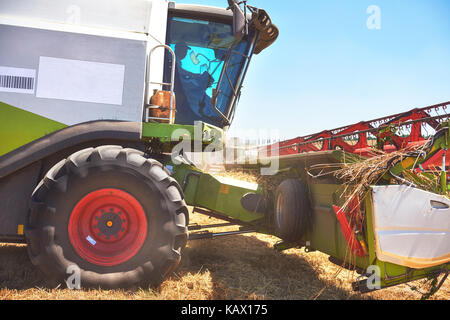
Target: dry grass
x,y
237,267
359,176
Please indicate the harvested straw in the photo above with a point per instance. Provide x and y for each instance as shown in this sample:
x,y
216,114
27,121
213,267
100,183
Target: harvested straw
x,y
248,175
357,177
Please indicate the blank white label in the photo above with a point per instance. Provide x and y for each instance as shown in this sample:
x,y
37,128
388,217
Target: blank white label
x,y
92,241
17,80
78,80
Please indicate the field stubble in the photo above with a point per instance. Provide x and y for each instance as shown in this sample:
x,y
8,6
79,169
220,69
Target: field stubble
x,y
237,267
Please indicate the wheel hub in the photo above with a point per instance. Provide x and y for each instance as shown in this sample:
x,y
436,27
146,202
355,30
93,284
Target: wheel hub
x,y
107,227
110,225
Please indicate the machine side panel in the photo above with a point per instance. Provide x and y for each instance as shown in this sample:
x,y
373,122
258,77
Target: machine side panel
x,y
129,15
77,77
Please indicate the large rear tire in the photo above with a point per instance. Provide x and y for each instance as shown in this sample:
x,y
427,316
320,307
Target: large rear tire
x,y
112,214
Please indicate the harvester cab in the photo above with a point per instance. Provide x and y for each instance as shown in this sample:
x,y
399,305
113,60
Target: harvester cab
x,y
209,58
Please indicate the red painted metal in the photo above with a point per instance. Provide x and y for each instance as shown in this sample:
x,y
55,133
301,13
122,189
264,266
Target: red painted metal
x,y
347,228
435,162
107,227
383,134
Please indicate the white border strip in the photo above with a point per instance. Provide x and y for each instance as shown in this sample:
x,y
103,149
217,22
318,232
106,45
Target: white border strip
x,y
36,24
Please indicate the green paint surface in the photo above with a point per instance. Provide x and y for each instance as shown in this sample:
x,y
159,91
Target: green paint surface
x,y
167,133
222,195
19,127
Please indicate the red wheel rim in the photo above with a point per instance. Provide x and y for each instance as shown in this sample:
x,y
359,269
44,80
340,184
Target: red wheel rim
x,y
107,227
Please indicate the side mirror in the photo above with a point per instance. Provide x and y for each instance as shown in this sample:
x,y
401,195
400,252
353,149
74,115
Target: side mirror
x,y
239,20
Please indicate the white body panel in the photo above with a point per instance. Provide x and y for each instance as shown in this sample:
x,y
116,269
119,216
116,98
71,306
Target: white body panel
x,y
411,226
89,57
88,81
124,15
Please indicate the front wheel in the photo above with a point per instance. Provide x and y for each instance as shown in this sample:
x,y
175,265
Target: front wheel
x,y
112,214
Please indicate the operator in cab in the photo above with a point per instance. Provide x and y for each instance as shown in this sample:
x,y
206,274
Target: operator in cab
x,y
194,87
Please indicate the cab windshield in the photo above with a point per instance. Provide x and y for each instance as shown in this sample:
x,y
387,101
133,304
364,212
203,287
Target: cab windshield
x,y
201,49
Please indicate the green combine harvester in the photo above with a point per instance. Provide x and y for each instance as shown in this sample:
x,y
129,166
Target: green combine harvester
x,y
99,104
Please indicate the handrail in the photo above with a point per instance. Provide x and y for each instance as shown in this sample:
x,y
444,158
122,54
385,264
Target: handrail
x,y
171,84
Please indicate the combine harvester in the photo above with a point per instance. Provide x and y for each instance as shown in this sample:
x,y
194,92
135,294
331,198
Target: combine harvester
x,y
99,102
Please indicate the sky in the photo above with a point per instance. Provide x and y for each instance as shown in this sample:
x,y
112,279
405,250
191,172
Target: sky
x,y
336,63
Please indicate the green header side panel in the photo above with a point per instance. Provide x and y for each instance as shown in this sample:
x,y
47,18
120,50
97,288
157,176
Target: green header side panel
x,y
19,127
219,194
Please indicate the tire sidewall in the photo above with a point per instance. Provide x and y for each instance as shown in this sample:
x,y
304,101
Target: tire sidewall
x,y
108,167
142,188
292,222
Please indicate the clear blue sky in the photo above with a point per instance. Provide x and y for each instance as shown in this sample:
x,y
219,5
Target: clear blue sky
x,y
327,69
